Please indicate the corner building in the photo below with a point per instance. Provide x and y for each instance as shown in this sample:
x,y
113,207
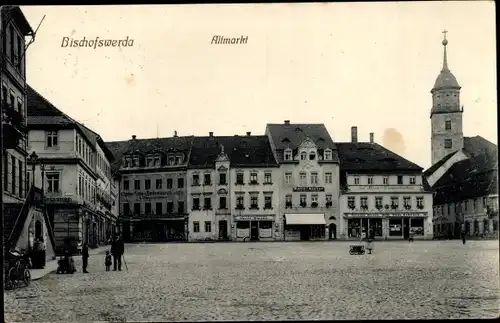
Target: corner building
x,y
381,192
309,177
153,188
233,189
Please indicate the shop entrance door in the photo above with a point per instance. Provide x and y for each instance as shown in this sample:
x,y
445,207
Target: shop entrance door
x,y
223,230
332,231
254,230
406,228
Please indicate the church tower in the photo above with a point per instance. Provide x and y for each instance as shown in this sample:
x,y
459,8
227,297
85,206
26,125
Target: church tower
x,y
446,113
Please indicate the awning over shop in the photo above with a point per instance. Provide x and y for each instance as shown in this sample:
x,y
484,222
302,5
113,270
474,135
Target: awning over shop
x,y
298,219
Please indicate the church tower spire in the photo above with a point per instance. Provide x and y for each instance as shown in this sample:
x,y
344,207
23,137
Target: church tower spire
x,y
446,112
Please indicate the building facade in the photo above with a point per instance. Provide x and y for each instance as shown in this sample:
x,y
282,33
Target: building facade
x,y
382,193
464,171
153,188
76,174
233,189
309,177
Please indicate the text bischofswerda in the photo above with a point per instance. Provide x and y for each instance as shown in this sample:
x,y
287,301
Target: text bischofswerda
x,y
96,42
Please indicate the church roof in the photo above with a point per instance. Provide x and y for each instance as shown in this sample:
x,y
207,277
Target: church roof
x,y
445,79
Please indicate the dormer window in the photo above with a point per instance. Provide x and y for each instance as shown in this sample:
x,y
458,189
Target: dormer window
x,y
125,163
312,156
150,161
288,154
327,155
157,161
136,162
178,160
303,155
171,161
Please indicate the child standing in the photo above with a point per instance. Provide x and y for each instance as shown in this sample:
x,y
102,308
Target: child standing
x,y
107,261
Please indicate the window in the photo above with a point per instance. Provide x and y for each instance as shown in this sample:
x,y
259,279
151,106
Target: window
x,y
159,208
137,184
447,143
208,203
28,180
170,207
394,203
149,161
20,106
222,179
356,180
370,180
314,178
288,200
386,180
351,202
407,202
413,180
314,199
254,201
126,209
484,201
12,48
328,155
288,154
207,179
328,199
303,155
137,208
378,202
157,162
158,183
268,204
180,183
147,208
240,201
171,161
328,178
222,202
364,202
13,165
312,156
196,226
5,172
208,226
53,182
147,184
466,205
239,179
400,180
303,199
288,178
21,171
268,178
253,178
51,138
196,203
196,180
447,125
177,160
303,179
420,202
474,205
169,183
180,207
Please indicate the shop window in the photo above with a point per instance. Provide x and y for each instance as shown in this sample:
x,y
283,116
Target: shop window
x,y
354,228
265,229
495,225
395,228
242,229
317,231
476,227
417,226
485,226
375,227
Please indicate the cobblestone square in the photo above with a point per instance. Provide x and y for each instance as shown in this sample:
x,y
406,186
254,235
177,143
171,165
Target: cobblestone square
x,y
272,281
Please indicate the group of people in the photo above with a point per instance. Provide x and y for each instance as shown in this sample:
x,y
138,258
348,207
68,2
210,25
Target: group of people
x,y
116,253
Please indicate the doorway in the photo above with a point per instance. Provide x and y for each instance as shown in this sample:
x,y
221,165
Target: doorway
x,y
304,233
38,230
254,230
222,230
332,234
406,228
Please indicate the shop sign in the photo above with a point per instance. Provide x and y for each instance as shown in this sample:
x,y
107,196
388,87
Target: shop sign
x,y
147,195
58,200
308,189
254,218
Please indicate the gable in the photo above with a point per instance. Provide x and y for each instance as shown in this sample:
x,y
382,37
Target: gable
x,y
307,144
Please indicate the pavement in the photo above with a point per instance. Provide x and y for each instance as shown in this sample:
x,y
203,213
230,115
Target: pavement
x,y
51,265
272,281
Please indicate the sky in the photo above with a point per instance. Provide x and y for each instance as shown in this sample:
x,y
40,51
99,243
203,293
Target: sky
x,y
370,65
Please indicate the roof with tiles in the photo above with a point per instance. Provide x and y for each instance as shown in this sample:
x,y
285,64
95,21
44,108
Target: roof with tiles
x,y
243,151
440,163
470,178
148,146
477,145
291,135
43,113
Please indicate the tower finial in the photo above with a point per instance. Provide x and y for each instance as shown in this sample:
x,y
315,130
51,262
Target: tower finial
x,y
445,57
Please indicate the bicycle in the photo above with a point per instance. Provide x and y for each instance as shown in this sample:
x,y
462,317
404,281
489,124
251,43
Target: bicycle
x,y
18,271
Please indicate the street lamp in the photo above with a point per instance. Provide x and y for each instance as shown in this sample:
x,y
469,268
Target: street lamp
x,y
33,159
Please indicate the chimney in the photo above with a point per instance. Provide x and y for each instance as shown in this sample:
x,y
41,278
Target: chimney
x,y
354,134
133,137
211,134
371,138
287,121
248,133
175,133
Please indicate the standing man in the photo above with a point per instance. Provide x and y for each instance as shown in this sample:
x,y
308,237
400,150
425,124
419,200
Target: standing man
x,y
117,250
85,256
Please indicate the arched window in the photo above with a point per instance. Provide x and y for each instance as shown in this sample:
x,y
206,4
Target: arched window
x,y
312,156
303,155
